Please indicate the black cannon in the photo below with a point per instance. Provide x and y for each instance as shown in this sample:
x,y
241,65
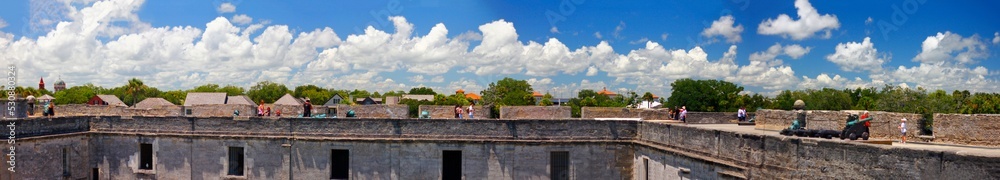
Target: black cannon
x,y
855,128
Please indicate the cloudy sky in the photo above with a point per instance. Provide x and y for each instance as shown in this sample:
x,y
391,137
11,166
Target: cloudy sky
x,y
558,46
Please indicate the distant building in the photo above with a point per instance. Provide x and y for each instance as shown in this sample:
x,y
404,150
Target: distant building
x,y
60,85
538,97
390,100
103,99
41,84
367,101
335,100
242,100
152,103
474,97
419,97
199,98
288,99
607,93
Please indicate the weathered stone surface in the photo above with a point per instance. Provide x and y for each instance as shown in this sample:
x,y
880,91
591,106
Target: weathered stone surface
x,y
712,118
976,129
448,112
613,112
885,125
396,111
535,112
300,148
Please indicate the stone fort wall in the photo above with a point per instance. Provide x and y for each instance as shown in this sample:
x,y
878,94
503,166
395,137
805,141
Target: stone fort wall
x,y
535,112
969,129
885,125
299,148
448,112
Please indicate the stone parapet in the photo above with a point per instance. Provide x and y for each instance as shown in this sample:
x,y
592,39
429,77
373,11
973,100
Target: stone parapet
x,y
448,112
968,129
885,125
535,112
620,112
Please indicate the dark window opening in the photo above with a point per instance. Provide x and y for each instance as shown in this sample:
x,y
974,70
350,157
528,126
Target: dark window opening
x,y
146,156
65,161
340,159
187,111
451,167
235,161
559,162
645,166
331,112
95,174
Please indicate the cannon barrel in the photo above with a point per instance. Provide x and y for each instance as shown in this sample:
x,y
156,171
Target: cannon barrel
x,y
851,123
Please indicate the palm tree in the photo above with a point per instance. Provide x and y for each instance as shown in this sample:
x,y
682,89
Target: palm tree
x,y
135,86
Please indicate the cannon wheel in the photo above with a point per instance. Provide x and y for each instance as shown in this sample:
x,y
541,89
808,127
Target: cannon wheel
x,y
843,135
853,136
864,136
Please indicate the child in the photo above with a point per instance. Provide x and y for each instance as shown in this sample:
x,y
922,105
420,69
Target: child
x,y
902,129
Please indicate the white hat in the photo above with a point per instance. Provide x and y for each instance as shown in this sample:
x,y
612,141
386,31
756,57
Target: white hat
x,y
904,119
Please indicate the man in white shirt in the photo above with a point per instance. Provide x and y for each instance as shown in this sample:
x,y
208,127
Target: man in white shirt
x,y
742,114
471,110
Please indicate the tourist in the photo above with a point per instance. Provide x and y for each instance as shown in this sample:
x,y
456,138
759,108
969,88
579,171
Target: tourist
x,y
471,110
684,112
458,112
267,112
677,113
276,113
31,105
260,109
742,114
902,130
865,116
307,109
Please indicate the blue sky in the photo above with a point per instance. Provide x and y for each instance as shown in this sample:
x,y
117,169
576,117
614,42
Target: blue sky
x,y
558,46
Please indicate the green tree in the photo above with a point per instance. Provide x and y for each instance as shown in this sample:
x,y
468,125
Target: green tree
x,y
546,100
267,91
704,95
422,91
206,88
175,96
508,92
315,94
232,90
77,94
135,87
647,96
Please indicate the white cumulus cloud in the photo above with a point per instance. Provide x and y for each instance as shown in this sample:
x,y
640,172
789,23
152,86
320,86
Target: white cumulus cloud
x,y
226,8
996,38
724,27
858,56
951,48
809,23
242,19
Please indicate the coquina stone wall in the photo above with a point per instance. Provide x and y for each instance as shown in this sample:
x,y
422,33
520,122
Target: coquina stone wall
x,y
367,111
969,129
299,148
619,112
220,110
757,156
448,112
885,125
535,112
713,117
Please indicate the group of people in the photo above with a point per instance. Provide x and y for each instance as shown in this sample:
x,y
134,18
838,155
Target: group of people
x,y
678,113
265,110
47,110
470,110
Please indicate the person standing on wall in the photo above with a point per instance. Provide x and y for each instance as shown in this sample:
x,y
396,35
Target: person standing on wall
x,y
684,114
742,114
260,108
307,109
458,112
471,110
902,129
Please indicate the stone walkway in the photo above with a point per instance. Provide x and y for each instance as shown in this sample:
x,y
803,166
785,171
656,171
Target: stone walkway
x,y
962,150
